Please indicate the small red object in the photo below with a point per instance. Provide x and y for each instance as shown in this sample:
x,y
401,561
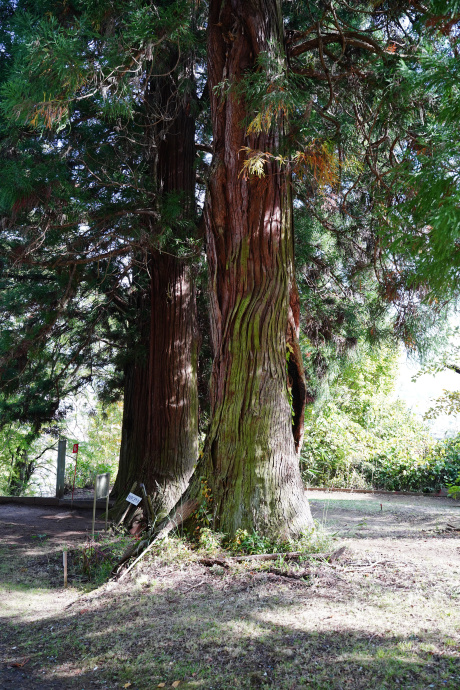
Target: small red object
x,y
74,450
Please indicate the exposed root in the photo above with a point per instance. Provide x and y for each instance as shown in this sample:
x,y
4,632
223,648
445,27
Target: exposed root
x,y
293,555
176,518
226,561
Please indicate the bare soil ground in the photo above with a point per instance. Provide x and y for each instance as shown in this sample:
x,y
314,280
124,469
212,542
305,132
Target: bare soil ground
x,y
385,615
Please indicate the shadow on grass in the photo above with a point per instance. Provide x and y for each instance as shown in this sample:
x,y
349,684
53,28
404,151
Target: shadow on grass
x,y
365,520
32,542
217,633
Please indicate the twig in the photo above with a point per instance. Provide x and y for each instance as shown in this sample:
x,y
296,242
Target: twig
x,y
289,556
203,582
363,566
290,573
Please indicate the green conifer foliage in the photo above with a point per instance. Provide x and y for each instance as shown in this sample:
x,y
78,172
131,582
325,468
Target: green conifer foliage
x,y
423,226
330,103
83,203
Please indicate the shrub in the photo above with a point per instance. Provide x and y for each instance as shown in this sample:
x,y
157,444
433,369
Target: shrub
x,y
439,467
99,453
360,437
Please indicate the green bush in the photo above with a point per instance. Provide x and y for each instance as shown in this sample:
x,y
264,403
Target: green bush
x,y
361,437
440,467
26,458
454,489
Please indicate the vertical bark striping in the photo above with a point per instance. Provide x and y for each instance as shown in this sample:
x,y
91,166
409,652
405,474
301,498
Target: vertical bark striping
x,y
160,422
173,410
250,460
160,418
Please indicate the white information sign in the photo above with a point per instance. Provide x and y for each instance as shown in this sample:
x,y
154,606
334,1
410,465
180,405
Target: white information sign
x,y
132,498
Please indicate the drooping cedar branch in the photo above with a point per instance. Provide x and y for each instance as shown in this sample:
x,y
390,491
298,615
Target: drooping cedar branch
x,y
344,38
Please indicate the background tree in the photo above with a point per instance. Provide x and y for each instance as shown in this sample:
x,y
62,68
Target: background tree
x,y
126,189
99,436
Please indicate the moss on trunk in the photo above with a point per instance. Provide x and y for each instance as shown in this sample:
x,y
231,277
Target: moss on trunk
x,y
250,461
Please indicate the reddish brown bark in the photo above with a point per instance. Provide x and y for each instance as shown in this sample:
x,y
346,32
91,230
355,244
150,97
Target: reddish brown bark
x,y
159,444
160,418
250,461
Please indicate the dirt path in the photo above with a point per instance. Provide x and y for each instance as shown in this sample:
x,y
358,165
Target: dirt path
x,y
386,615
21,524
31,577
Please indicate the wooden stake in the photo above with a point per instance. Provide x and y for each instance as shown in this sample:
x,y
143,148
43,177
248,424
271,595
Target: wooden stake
x,y
64,559
145,501
106,510
94,511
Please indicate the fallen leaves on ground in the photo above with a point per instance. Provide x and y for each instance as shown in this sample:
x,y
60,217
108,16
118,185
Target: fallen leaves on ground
x,y
19,664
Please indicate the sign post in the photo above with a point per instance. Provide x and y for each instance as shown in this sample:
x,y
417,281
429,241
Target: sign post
x,y
64,560
101,490
60,470
74,451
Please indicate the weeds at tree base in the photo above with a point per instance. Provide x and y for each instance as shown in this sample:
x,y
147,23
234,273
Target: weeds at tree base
x,y
93,561
183,549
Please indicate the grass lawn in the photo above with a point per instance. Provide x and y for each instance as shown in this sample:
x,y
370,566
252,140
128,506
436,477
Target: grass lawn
x,y
386,614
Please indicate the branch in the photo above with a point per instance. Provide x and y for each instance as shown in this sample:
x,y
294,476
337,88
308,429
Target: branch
x,y
108,255
176,518
352,38
325,68
204,147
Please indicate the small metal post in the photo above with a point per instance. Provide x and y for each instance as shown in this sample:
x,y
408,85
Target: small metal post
x,y
106,510
75,446
60,469
94,508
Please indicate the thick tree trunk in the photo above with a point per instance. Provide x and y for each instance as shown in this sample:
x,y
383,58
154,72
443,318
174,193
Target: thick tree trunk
x,y
159,445
250,461
160,418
